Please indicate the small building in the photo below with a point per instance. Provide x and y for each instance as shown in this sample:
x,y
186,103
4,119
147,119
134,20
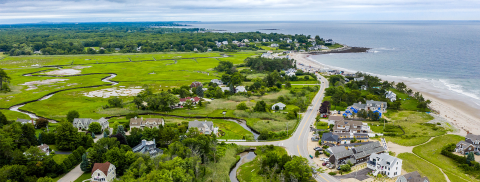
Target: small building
x,y
225,42
267,55
273,45
44,148
246,41
289,41
385,164
217,81
83,123
37,52
363,87
139,48
117,49
25,121
392,96
147,123
359,79
195,49
209,50
103,172
184,100
281,106
205,127
148,147
471,144
412,177
239,89
350,126
196,84
330,138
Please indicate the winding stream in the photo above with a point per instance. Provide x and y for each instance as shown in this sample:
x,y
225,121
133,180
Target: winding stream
x,y
16,108
244,158
243,123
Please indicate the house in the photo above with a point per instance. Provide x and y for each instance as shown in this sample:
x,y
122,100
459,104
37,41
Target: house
x,y
205,127
333,119
264,40
234,42
281,106
359,79
196,84
83,123
346,138
225,89
117,49
347,80
471,144
371,105
139,48
273,45
148,122
148,147
37,52
217,81
392,96
330,138
219,44
340,155
289,41
240,89
246,41
103,172
363,87
363,152
25,121
350,126
385,164
44,148
267,55
195,49
241,45
184,100
209,50
412,177
225,42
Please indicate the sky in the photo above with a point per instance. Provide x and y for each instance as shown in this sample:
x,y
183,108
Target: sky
x,y
32,11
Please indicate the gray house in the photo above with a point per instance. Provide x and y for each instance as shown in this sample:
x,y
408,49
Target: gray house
x,y
148,147
205,127
83,123
340,155
371,105
412,177
471,144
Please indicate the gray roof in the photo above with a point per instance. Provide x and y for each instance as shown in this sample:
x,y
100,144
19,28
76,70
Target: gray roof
x,y
23,120
385,158
279,104
343,154
414,177
147,147
205,127
376,103
472,137
330,137
337,149
336,118
368,146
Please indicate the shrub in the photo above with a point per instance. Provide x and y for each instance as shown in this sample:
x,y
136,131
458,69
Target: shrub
x,y
72,115
242,106
332,173
41,123
95,127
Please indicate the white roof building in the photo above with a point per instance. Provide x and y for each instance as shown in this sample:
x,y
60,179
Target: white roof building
x,y
392,96
225,42
385,164
240,89
281,106
83,123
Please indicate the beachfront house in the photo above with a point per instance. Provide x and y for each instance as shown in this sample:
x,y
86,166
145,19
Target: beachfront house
x,y
385,164
83,123
103,172
391,96
359,79
148,147
204,127
412,177
471,144
147,123
350,126
363,152
371,105
281,106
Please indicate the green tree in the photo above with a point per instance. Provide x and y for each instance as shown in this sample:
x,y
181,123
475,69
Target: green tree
x,y
188,104
317,153
105,135
199,91
115,102
470,158
288,85
260,106
45,179
41,123
115,127
116,156
121,130
67,137
3,120
345,168
95,127
242,106
28,135
85,165
4,79
72,115
298,168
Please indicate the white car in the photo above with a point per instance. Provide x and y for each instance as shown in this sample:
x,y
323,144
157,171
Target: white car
x,y
324,159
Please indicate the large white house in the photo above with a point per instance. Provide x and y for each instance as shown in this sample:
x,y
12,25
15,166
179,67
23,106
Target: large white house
x,y
392,96
385,164
103,172
83,123
281,106
204,127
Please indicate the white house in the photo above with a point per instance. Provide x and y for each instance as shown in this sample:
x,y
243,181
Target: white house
x,y
234,42
240,89
204,127
392,96
217,81
267,55
246,41
225,42
385,164
281,106
359,79
44,148
103,172
195,49
209,50
139,48
148,122
273,45
83,123
264,40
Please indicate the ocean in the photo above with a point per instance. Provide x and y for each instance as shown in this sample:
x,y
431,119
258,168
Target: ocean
x,y
438,57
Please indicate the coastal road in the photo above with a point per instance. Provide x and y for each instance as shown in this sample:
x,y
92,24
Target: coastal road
x,y
297,143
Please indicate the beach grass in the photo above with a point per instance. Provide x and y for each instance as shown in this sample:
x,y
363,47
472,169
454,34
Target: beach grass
x,y
413,163
334,46
250,170
431,152
232,130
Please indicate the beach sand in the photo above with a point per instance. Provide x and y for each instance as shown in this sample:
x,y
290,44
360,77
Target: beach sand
x,y
461,115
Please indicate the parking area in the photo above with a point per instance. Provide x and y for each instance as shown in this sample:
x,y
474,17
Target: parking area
x,y
360,175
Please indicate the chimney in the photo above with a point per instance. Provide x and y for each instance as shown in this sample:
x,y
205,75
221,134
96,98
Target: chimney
x,y
135,117
144,142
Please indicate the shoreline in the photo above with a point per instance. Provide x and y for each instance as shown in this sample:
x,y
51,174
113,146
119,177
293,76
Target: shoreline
x,y
459,114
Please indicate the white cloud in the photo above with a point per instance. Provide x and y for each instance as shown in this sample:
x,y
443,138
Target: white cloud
x,y
21,11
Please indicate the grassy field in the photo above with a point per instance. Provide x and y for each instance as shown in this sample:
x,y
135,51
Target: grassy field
x,y
417,131
249,171
334,46
12,115
413,163
59,158
232,130
84,176
409,103
431,152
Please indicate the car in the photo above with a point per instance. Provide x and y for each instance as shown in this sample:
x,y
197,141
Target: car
x,y
318,148
466,153
324,159
331,166
477,153
338,168
324,164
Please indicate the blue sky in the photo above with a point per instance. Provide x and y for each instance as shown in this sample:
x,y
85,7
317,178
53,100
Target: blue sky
x,y
28,11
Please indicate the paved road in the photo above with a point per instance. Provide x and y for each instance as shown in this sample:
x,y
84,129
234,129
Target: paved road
x,y
297,144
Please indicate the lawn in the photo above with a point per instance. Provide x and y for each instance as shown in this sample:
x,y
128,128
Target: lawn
x,y
84,176
249,171
431,152
12,115
334,46
413,163
59,158
408,103
232,130
417,130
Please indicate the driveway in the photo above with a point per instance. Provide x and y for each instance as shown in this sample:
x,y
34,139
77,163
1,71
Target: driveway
x,y
360,175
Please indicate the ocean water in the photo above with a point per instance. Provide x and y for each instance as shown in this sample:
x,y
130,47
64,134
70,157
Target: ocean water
x,y
438,57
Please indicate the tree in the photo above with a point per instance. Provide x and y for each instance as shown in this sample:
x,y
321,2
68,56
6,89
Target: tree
x,y
199,91
470,158
260,106
105,135
345,168
115,127
41,123
95,127
242,106
401,86
45,179
67,137
116,156
115,102
4,79
121,130
277,108
85,165
422,105
298,168
3,120
188,104
317,153
28,135
72,115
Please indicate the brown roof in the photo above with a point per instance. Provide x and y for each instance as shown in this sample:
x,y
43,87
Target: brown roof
x,y
336,118
102,167
135,121
43,146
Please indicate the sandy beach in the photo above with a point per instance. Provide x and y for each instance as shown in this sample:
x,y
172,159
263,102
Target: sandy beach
x,y
461,115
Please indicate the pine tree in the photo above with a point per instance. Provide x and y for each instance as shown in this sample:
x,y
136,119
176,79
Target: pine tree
x,y
199,91
105,134
85,165
120,130
470,158
93,135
